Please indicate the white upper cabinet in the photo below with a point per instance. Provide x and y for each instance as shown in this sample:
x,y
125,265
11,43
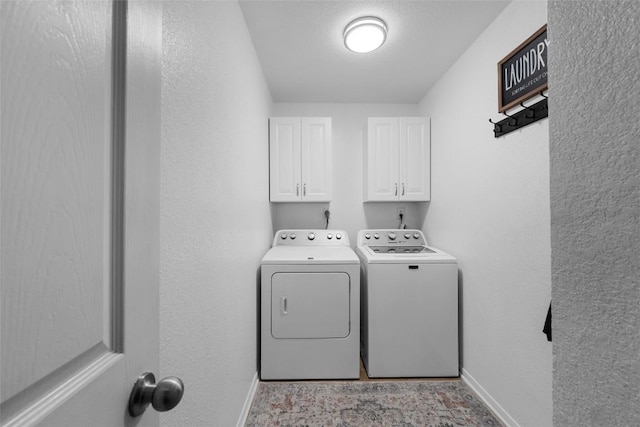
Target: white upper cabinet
x,y
300,159
415,159
397,159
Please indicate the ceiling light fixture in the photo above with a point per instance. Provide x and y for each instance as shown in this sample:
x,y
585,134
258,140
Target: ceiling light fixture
x,y
365,34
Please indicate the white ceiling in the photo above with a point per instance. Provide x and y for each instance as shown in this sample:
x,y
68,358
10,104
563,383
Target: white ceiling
x,y
300,47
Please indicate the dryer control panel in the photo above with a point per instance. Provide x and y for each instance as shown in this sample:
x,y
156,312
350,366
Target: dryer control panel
x,y
317,237
391,237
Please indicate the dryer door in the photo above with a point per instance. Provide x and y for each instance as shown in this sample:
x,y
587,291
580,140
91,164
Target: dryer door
x,y
310,305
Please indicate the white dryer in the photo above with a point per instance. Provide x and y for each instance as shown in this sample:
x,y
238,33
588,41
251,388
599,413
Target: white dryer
x,y
310,307
409,306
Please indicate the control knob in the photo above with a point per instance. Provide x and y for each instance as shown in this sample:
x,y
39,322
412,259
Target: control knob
x,y
392,236
367,236
338,236
292,236
416,235
376,236
311,236
407,235
329,236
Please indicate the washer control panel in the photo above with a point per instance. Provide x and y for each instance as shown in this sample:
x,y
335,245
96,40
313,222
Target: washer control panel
x,y
384,237
311,238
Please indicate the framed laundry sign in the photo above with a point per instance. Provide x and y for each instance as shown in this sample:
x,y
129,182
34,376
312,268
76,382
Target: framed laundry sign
x,y
523,72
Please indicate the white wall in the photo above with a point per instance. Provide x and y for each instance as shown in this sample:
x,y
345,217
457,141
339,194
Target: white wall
x,y
348,212
215,217
490,208
595,212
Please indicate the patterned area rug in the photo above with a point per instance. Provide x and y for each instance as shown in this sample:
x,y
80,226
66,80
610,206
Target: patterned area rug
x,y
364,404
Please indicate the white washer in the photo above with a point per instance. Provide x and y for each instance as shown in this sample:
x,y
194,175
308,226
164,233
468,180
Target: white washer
x,y
409,306
310,307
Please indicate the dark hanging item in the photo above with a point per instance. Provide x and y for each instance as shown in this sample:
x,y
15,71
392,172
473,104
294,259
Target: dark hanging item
x,y
547,324
526,116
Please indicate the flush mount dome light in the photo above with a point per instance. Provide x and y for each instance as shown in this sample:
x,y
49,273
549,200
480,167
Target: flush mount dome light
x,y
365,34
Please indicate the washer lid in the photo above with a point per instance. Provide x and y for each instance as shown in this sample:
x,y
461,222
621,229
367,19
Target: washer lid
x,y
430,255
406,250
310,255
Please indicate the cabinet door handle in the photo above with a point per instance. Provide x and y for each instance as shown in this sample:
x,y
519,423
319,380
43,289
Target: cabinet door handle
x,y
304,189
403,188
396,186
297,189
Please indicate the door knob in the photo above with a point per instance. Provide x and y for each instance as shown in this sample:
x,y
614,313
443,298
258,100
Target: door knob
x,y
163,396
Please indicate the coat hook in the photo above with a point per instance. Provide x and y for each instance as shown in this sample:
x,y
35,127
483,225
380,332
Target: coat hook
x,y
533,111
515,121
497,127
546,105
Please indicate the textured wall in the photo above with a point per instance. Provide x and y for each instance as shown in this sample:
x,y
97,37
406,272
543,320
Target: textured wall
x,y
490,208
595,212
215,218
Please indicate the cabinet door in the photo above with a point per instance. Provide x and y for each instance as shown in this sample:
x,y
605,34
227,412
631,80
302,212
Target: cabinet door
x,y
284,159
415,159
381,160
315,140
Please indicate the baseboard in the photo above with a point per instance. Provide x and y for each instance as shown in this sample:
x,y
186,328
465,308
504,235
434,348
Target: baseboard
x,y
488,400
247,402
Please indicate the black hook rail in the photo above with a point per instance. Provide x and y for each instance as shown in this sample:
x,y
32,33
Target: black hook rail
x,y
526,116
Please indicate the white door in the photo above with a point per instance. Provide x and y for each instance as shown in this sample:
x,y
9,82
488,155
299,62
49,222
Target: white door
x,y
382,159
415,159
316,170
80,209
284,159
